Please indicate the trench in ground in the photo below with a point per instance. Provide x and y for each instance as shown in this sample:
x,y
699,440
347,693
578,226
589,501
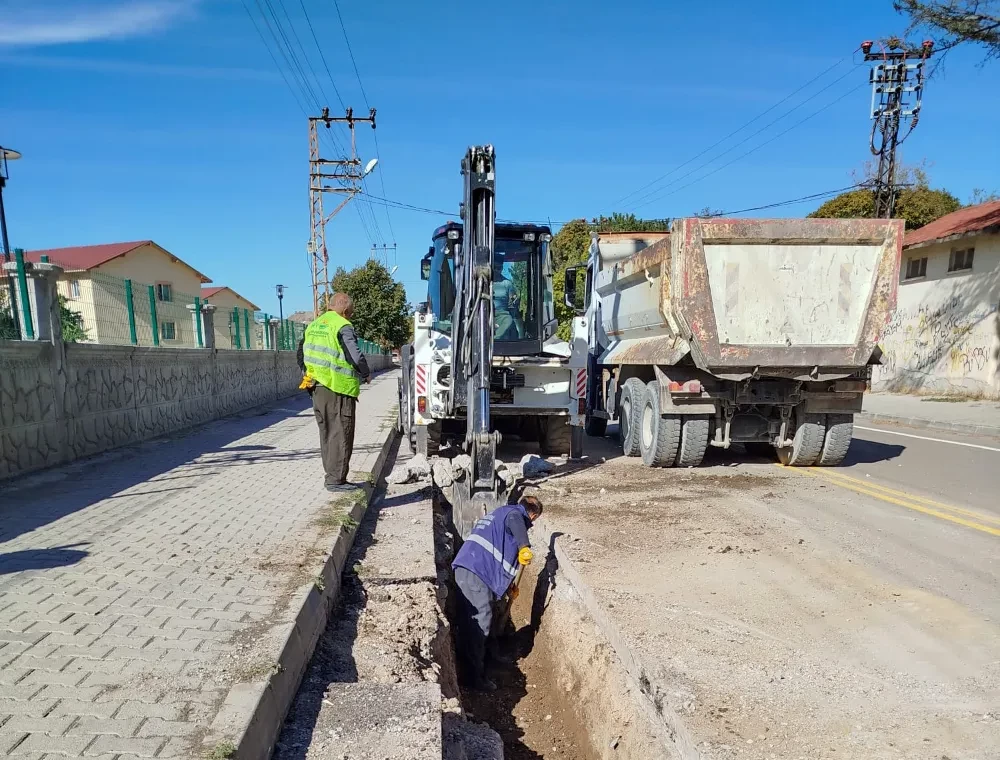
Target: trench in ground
x,y
566,694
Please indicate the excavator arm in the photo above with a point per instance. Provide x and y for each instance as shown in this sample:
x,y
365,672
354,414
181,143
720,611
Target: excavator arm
x,y
472,336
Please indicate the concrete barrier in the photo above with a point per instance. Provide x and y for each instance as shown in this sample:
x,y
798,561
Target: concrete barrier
x,y
60,402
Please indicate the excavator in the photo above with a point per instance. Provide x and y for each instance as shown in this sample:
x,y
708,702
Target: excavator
x,y
485,358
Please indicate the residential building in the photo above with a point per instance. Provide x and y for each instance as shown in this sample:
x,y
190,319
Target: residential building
x,y
234,314
97,280
944,337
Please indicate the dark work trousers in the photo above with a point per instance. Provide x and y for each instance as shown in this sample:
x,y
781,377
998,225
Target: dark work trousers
x,y
335,417
475,618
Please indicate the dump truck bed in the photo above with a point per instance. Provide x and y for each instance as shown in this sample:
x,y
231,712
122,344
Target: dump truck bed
x,y
750,295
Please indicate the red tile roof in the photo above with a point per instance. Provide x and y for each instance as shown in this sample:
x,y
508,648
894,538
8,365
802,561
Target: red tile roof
x,y
85,256
979,218
209,292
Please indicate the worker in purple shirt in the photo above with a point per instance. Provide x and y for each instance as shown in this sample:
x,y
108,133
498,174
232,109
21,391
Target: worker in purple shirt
x,y
485,567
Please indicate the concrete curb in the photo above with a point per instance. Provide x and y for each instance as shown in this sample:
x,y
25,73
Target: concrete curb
x,y
675,735
253,713
990,431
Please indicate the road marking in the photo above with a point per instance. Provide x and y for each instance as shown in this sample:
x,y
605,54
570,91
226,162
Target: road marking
x,y
927,438
985,517
909,504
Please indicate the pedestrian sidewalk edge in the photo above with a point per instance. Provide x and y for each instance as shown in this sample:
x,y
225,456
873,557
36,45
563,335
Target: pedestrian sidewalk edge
x,y
249,723
990,431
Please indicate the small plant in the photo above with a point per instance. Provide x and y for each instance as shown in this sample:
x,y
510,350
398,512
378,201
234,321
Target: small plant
x,y
319,584
223,751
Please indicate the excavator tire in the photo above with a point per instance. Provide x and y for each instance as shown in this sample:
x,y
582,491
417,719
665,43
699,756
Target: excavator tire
x,y
839,431
630,416
807,442
557,436
659,434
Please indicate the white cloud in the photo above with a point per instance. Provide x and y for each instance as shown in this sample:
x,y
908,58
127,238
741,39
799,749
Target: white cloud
x,y
56,22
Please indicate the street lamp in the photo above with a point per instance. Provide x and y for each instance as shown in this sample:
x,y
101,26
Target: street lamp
x,y
280,290
6,154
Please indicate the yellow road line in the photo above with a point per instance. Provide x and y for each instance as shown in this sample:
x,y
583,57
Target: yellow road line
x,y
904,495
899,502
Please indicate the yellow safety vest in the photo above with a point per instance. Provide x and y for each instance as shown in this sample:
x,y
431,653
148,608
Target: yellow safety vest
x,y
325,358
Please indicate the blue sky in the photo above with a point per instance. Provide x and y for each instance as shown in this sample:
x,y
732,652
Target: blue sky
x,y
167,119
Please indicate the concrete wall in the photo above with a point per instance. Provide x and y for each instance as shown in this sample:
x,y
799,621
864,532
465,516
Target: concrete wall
x,y
55,408
944,338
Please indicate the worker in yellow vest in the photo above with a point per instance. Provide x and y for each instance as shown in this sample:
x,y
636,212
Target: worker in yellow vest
x,y
335,369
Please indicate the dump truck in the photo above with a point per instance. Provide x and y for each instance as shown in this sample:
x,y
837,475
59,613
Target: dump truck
x,y
754,331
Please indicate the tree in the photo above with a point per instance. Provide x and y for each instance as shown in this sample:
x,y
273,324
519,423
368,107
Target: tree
x,y
916,202
569,247
979,195
628,223
381,313
708,212
956,22
72,323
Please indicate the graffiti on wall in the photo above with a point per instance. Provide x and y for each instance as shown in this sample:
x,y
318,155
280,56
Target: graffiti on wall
x,y
939,345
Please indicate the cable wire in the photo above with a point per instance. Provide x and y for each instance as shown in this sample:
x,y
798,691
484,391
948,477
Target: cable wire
x,y
655,194
364,95
754,149
733,133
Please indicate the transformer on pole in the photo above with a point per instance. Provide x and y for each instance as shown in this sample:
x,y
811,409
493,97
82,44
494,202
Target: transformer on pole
x,y
897,77
347,173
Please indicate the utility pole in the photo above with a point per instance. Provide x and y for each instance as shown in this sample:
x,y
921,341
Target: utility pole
x,y
347,174
897,77
384,248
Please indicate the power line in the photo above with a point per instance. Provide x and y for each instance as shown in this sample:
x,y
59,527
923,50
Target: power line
x,y
752,150
655,194
275,60
734,132
321,54
364,95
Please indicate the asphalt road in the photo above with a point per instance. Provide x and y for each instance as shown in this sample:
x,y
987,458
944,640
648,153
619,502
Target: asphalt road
x,y
871,588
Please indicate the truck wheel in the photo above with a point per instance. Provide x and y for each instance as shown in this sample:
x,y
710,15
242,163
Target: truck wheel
x,y
596,426
629,416
659,435
694,441
807,443
557,436
839,431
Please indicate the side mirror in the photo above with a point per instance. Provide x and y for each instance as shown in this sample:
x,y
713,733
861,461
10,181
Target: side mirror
x,y
572,296
425,264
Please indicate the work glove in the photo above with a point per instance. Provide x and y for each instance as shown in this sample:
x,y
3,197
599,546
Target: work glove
x,y
525,556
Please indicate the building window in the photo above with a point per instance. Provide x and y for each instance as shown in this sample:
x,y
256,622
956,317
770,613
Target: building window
x,y
916,268
961,260
168,331
74,288
164,292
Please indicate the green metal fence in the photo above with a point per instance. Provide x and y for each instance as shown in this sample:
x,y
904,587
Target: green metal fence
x,y
102,308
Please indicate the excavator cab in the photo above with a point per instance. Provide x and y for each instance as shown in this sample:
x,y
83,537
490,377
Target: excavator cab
x,y
524,316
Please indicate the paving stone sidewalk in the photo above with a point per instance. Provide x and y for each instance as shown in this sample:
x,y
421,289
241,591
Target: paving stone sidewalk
x,y
135,587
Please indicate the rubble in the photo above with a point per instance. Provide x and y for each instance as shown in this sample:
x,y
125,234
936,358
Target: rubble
x,y
533,465
442,473
415,469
